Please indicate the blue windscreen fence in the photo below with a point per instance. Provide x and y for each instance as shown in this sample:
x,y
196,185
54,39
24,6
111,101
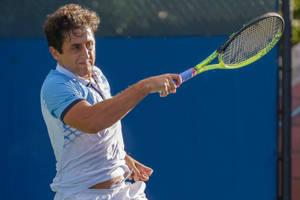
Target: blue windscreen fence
x,y
216,138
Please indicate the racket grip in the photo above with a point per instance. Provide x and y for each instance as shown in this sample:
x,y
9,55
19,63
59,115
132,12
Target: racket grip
x,y
186,75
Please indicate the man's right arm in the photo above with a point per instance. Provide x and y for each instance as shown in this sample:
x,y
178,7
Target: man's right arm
x,y
94,118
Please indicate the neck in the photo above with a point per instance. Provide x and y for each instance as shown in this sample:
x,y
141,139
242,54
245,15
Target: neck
x,y
87,77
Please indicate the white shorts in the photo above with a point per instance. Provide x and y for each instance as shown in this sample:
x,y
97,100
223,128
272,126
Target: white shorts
x,y
124,191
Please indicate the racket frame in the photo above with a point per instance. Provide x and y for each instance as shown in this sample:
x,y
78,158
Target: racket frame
x,y
203,66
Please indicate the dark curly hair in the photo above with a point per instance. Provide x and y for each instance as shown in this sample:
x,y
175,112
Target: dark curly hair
x,y
65,19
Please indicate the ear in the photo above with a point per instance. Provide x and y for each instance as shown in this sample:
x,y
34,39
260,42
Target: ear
x,y
54,53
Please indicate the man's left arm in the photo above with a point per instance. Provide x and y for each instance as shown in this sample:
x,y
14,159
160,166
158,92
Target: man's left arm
x,y
140,172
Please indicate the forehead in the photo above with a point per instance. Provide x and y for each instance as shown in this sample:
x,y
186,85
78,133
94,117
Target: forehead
x,y
79,35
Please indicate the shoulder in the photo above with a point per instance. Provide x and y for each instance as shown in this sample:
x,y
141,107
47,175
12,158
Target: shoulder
x,y
56,83
53,79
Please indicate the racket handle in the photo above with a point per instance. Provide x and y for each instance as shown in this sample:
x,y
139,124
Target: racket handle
x,y
186,75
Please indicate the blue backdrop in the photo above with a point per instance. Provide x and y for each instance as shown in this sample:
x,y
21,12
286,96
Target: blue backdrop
x,y
216,138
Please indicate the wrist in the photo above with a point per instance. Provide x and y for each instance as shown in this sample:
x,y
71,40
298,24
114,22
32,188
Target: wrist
x,y
126,157
144,86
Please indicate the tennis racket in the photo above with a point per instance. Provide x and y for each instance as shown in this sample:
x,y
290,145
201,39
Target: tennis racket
x,y
250,43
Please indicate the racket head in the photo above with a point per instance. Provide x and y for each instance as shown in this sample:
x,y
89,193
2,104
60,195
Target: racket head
x,y
252,41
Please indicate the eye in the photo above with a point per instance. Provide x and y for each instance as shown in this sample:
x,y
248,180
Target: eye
x,y
75,46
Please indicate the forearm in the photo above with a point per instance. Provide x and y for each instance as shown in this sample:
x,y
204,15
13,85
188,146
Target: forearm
x,y
106,113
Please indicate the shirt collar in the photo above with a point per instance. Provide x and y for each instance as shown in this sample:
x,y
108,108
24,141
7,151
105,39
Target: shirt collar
x,y
68,73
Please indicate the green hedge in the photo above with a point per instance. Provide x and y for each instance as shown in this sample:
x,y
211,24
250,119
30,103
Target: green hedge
x,y
296,22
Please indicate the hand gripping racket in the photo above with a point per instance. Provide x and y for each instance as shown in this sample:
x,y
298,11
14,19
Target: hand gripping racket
x,y
243,47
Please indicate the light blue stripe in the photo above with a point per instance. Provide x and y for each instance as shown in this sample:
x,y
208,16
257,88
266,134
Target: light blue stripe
x,y
295,112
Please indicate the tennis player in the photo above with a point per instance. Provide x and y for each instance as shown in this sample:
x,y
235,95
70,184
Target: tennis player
x,y
83,119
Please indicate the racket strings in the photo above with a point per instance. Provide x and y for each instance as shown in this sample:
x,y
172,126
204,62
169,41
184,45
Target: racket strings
x,y
252,40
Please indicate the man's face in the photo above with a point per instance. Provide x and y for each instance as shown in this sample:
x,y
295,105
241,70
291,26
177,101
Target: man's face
x,y
78,52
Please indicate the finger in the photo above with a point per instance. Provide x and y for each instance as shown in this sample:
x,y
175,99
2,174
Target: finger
x,y
146,175
141,177
143,168
136,174
164,92
144,178
177,78
149,171
173,91
133,175
146,171
172,86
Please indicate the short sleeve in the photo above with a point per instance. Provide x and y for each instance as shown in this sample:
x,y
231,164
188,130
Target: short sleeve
x,y
60,96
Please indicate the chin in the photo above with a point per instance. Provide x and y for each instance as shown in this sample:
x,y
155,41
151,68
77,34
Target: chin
x,y
86,70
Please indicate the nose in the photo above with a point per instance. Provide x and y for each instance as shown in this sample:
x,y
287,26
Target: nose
x,y
86,52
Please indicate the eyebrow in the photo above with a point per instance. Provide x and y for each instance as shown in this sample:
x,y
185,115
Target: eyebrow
x,y
88,41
